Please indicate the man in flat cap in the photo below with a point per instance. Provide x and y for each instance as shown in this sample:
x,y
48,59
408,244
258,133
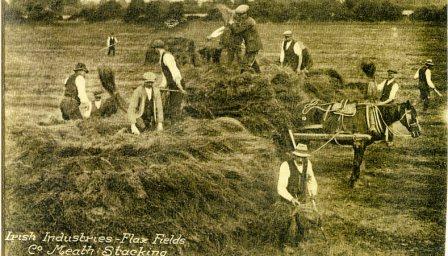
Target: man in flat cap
x,y
76,104
294,54
296,181
145,107
388,88
244,26
173,80
425,83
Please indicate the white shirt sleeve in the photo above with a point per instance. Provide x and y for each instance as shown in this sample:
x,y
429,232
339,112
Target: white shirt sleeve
x,y
311,182
428,78
282,53
171,64
380,86
393,91
297,49
416,74
282,183
107,42
81,86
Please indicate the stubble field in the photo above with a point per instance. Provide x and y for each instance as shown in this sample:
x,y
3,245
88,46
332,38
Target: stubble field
x,y
398,208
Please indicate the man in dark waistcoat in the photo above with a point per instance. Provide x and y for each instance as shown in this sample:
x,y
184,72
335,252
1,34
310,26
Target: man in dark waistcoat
x,y
388,88
296,180
76,104
294,54
425,84
111,42
244,27
172,80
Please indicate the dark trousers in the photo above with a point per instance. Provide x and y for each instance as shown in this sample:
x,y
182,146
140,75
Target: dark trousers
x,y
173,106
424,97
111,50
70,109
233,54
250,63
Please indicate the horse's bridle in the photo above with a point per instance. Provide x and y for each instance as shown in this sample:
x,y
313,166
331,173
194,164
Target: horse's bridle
x,y
408,114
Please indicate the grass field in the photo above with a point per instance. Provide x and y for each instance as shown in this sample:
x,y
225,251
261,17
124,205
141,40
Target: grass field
x,y
399,206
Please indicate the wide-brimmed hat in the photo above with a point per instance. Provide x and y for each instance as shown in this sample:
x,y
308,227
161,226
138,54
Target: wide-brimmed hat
x,y
429,62
242,9
81,66
149,77
287,33
301,150
391,71
158,44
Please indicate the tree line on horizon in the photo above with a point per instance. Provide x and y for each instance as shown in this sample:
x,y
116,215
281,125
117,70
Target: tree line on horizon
x,y
138,11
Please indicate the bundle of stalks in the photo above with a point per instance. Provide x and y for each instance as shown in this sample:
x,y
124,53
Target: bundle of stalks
x,y
107,78
368,67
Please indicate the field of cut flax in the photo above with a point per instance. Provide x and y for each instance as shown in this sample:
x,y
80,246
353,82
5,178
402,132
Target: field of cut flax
x,y
211,179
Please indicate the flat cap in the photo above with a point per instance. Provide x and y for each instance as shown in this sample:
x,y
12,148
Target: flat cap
x,y
149,76
242,9
287,33
429,62
158,44
81,66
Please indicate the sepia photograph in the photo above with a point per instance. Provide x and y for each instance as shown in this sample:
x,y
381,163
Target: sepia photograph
x,y
224,127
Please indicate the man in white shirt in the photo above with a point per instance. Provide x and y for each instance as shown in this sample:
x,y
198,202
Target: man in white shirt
x,y
294,54
111,42
388,88
76,104
173,80
294,184
425,83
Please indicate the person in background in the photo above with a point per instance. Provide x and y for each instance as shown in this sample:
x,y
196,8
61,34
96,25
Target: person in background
x,y
173,80
76,104
388,88
111,42
145,107
425,83
244,27
294,54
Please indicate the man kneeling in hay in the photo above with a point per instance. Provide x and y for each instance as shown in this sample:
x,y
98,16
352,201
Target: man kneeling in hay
x,y
296,179
295,54
145,107
75,104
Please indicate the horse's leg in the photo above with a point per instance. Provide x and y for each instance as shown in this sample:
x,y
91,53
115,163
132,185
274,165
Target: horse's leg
x,y
358,148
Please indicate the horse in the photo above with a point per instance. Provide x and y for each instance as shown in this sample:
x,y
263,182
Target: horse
x,y
370,121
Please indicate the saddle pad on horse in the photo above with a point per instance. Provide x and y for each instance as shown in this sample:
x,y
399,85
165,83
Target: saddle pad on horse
x,y
344,108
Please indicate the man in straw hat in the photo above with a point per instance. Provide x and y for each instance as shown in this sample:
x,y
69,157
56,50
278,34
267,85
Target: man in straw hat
x,y
294,54
296,180
425,83
244,27
145,107
388,88
76,104
172,79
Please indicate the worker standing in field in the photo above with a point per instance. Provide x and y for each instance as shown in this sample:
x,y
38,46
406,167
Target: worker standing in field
x,y
425,83
294,54
76,104
111,42
173,80
295,181
145,107
244,26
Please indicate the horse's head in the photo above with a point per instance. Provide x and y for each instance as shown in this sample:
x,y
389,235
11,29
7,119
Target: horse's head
x,y
409,118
